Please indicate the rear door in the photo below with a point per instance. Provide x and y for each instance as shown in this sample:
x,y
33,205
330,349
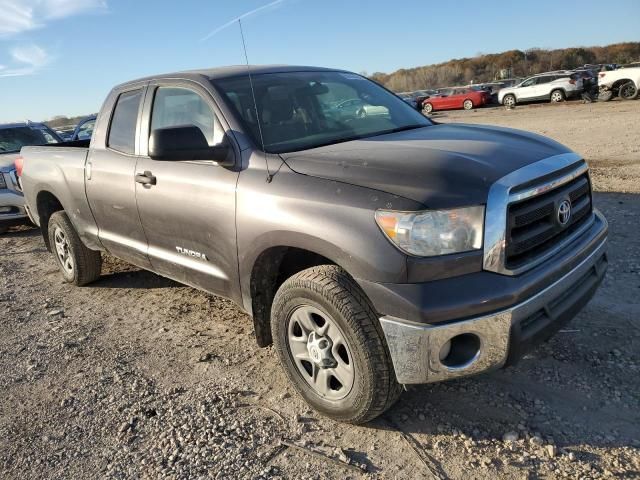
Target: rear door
x,y
110,172
188,214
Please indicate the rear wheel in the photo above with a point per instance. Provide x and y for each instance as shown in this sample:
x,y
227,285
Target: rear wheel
x,y
467,104
427,108
331,346
557,96
509,101
78,264
628,91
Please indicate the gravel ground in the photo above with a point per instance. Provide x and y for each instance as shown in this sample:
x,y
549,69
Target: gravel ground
x,y
138,377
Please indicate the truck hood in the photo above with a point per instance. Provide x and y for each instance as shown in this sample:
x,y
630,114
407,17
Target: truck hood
x,y
6,161
440,166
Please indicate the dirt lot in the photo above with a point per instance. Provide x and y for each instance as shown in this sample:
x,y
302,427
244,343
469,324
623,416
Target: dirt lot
x,y
139,377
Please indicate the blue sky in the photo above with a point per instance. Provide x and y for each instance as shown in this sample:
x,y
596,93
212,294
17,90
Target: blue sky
x,y
63,56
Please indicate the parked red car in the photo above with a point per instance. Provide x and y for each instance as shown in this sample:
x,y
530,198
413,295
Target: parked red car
x,y
456,98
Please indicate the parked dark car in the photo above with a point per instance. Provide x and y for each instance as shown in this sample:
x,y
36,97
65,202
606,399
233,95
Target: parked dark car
x,y
372,252
13,137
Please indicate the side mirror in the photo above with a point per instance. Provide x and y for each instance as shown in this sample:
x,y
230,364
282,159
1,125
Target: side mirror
x,y
187,142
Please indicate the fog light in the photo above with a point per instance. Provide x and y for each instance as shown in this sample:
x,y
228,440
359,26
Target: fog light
x,y
461,351
5,209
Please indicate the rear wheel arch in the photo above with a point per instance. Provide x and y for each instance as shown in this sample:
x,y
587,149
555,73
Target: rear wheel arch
x,y
618,83
46,205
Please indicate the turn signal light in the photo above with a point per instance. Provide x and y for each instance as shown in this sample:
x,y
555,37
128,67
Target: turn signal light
x,y
19,164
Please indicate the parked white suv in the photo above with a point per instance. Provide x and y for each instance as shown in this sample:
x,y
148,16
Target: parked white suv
x,y
553,86
624,83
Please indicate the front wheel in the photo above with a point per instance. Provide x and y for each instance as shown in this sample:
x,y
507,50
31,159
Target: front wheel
x,y
557,96
628,91
78,264
509,101
467,104
331,346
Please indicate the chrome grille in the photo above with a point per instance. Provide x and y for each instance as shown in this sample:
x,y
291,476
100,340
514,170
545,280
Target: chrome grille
x,y
533,227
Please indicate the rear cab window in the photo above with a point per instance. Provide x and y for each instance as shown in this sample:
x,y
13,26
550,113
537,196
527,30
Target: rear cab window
x,y
122,131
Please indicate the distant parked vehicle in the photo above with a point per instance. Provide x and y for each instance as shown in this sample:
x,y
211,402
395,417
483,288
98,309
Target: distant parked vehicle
x,y
409,98
13,137
356,108
552,86
456,98
85,127
624,82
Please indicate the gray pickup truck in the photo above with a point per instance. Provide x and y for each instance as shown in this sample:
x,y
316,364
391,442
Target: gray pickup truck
x,y
372,246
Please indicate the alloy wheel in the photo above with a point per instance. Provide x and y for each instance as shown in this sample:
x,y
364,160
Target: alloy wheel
x,y
62,249
320,352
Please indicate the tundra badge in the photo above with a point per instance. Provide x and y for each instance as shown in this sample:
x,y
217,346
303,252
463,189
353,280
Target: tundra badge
x,y
192,253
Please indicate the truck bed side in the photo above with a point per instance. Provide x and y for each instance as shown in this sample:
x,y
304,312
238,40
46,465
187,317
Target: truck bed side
x,y
55,175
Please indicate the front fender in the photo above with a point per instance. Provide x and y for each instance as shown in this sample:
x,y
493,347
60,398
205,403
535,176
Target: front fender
x,y
329,218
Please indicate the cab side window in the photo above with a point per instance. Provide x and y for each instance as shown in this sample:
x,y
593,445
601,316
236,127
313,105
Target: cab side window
x,y
173,107
122,132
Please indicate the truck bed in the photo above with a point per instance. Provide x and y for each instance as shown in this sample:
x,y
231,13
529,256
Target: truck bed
x,y
59,170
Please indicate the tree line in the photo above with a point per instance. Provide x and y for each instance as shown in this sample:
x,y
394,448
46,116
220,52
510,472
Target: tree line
x,y
509,64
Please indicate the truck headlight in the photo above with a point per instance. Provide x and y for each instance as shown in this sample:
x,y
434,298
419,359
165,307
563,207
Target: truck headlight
x,y
430,233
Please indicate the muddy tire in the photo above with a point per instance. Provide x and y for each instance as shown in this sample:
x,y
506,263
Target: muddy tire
x,y
628,91
331,346
78,264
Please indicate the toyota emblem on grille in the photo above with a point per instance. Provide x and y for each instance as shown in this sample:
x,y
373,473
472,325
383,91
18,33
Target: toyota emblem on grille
x,y
564,212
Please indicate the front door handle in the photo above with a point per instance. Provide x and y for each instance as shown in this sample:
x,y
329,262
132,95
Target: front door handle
x,y
146,178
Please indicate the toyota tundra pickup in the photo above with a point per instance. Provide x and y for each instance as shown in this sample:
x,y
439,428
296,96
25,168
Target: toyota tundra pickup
x,y
372,246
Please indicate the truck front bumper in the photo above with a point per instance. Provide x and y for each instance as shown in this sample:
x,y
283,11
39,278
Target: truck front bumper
x,y
431,352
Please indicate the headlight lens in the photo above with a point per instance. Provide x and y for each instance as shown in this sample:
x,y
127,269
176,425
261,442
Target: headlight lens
x,y
434,232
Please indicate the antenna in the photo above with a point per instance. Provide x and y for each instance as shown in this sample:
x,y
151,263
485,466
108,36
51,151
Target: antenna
x,y
255,103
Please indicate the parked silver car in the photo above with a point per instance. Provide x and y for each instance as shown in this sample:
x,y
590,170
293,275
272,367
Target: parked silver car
x,y
553,86
13,137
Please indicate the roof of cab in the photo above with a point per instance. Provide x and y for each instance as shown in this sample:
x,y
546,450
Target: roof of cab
x,y
232,71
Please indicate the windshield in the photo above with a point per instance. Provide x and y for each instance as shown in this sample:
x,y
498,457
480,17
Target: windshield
x,y
302,110
14,138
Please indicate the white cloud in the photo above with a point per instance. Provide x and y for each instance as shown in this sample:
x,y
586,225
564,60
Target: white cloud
x,y
17,16
28,59
31,55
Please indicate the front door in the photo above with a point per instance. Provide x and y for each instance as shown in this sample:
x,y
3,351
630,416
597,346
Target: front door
x,y
110,185
526,90
188,213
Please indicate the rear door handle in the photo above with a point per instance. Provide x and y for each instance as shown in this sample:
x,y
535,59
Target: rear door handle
x,y
146,178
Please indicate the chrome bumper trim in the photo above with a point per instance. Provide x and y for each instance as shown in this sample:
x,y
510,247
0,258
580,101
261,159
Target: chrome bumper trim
x,y
415,348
